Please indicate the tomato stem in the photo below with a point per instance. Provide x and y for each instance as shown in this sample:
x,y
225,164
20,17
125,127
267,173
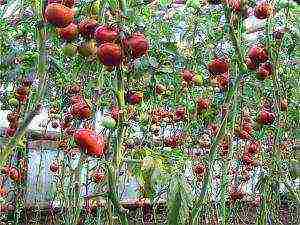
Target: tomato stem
x,y
230,102
42,75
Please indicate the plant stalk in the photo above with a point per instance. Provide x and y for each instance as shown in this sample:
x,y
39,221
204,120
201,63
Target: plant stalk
x,y
41,72
230,101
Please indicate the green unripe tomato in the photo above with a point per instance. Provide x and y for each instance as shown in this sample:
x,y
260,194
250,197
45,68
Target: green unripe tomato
x,y
286,3
198,79
109,122
70,49
13,102
88,49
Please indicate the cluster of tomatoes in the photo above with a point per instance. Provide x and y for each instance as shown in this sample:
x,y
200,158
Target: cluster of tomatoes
x,y
98,176
134,97
224,147
245,130
13,173
159,115
13,119
113,45
190,77
251,150
235,194
266,116
175,140
257,60
22,92
219,71
79,107
199,170
262,10
21,97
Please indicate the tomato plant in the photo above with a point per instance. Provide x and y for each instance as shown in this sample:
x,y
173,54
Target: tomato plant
x,y
189,107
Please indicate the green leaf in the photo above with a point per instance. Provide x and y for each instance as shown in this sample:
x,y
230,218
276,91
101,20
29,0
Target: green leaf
x,y
179,199
193,3
164,3
113,3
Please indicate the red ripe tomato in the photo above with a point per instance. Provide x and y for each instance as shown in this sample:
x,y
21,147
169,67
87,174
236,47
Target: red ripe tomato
x,y
266,117
258,54
22,90
3,192
235,5
134,97
59,15
180,113
105,34
218,66
87,27
90,142
138,45
9,132
264,71
244,135
263,117
236,195
199,169
110,54
14,174
85,112
68,33
115,113
77,99
68,3
187,75
263,10
250,64
253,147
248,158
54,167
202,104
98,176
174,141
223,80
